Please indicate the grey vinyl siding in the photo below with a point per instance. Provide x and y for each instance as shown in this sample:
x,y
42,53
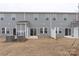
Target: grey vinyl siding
x,y
39,23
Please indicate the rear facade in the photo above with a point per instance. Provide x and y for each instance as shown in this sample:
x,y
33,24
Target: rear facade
x,y
52,24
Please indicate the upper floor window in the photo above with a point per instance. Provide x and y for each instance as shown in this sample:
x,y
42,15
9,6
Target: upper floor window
x,y
65,19
54,19
36,19
47,18
2,18
13,18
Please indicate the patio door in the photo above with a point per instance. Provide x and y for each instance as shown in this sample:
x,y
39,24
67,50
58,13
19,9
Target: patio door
x,y
67,32
33,32
14,31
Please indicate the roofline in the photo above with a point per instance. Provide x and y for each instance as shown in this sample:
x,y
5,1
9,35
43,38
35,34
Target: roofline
x,y
39,12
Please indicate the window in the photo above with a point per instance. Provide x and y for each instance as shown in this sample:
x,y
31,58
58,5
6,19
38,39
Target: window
x,y
2,18
47,18
13,18
45,30
35,18
69,31
3,30
41,30
54,19
65,19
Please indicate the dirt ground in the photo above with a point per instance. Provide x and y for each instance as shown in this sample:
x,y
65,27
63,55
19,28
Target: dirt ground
x,y
40,47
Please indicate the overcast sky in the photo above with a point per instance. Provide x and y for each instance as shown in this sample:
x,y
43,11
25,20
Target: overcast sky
x,y
39,5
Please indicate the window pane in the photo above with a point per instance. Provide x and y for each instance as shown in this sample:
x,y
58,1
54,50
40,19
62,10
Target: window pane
x,y
41,30
3,29
45,30
69,31
66,31
3,32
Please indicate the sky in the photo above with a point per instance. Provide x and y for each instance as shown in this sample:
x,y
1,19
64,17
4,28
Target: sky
x,y
39,5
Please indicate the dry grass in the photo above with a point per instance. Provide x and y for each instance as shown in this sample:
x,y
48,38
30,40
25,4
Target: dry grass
x,y
42,47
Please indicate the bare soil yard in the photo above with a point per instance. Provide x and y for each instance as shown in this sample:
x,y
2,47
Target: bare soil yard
x,y
40,47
